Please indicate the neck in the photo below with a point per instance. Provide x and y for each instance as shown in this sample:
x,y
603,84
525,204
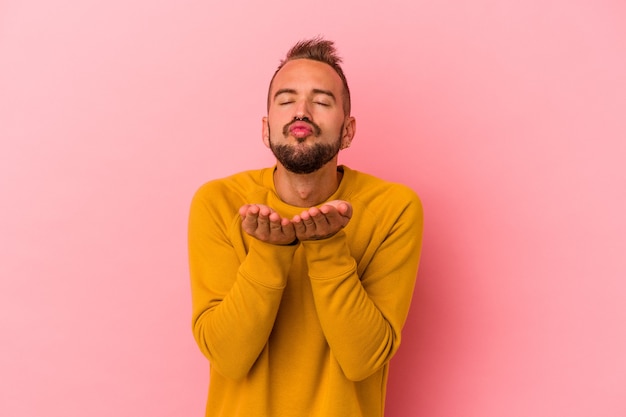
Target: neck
x,y
307,190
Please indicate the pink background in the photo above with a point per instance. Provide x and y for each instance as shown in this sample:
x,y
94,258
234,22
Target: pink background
x,y
507,117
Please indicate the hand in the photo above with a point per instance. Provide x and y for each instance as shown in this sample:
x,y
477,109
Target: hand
x,y
264,224
323,222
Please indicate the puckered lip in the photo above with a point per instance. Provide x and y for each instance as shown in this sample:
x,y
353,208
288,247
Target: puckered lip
x,y
300,127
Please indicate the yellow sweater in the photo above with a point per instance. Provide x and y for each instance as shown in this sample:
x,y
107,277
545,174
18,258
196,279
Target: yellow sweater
x,y
304,330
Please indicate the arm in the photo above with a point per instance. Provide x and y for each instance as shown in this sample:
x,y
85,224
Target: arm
x,y
362,316
235,295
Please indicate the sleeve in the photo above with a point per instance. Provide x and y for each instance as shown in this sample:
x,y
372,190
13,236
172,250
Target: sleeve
x,y
362,317
235,295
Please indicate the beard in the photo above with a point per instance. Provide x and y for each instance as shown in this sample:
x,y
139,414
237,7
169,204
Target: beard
x,y
302,158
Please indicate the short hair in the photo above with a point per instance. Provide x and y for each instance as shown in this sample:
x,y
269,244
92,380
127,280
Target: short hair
x,y
321,50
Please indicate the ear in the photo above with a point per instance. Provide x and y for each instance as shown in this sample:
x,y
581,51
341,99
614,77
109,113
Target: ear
x,y
265,132
349,130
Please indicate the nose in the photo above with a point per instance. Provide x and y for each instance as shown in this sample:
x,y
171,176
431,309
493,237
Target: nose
x,y
302,110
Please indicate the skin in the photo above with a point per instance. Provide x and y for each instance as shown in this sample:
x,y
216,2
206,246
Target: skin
x,y
312,90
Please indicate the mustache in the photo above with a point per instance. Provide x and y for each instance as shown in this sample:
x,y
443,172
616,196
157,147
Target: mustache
x,y
316,129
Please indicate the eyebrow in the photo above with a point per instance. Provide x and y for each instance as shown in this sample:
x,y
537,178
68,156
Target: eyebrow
x,y
315,92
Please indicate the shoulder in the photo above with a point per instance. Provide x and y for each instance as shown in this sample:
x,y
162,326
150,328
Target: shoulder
x,y
381,202
372,190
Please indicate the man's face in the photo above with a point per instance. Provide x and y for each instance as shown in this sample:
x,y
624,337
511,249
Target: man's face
x,y
306,126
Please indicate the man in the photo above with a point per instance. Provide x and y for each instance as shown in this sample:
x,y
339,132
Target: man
x,y
302,274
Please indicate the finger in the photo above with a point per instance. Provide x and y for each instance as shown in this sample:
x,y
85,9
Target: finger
x,y
321,219
252,212
336,215
298,225
344,208
263,218
331,215
274,217
250,220
275,223
307,221
243,210
248,209
287,230
265,210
